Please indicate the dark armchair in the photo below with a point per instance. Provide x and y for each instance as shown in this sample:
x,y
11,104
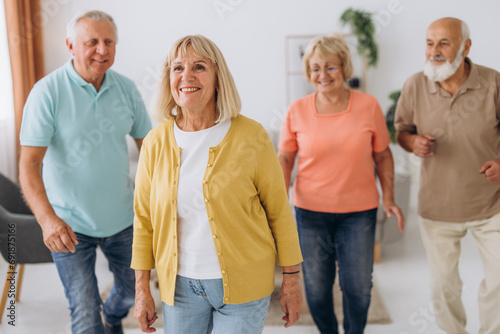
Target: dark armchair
x,y
21,239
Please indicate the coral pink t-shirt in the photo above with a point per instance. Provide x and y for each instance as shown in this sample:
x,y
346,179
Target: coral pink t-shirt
x,y
336,171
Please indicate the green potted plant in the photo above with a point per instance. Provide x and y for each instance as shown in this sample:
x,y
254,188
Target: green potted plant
x,y
362,26
389,116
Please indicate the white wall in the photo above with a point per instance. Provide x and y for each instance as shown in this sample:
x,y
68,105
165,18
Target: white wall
x,y
251,35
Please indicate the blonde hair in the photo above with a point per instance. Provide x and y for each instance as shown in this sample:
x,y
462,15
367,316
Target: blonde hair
x,y
228,102
325,47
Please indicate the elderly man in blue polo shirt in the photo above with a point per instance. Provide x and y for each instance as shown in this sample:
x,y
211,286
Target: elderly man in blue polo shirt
x,y
74,170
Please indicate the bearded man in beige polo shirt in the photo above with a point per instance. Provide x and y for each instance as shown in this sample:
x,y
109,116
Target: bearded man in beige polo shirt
x,y
449,116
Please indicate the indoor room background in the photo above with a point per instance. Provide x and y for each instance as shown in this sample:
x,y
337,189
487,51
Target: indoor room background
x,y
252,34
252,37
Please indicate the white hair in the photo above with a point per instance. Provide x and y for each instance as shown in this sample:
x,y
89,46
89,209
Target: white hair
x,y
465,32
439,73
94,15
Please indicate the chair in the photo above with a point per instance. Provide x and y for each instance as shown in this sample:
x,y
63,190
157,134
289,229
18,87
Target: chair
x,y
21,239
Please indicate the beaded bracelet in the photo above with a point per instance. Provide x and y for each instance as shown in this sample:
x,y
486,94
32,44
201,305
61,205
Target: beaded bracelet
x,y
290,272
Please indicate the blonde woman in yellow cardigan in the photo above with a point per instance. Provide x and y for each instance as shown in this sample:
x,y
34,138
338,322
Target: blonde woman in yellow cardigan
x,y
212,214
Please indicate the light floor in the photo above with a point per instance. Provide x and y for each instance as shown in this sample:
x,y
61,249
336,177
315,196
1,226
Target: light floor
x,y
402,278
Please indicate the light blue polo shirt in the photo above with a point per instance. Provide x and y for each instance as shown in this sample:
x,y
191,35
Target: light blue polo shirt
x,y
86,166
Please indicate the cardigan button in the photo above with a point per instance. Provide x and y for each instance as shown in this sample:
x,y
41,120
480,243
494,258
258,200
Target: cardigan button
x,y
226,299
223,271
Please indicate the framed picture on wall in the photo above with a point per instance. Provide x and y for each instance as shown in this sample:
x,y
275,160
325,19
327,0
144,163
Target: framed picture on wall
x,y
296,84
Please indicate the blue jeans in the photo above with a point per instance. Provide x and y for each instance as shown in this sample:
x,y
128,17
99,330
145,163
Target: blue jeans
x,y
349,239
199,308
77,273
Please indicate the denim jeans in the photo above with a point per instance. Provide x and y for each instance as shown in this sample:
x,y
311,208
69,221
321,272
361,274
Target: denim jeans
x,y
347,238
199,308
77,273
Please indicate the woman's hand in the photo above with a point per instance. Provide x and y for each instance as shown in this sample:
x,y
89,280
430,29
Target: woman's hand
x,y
144,311
391,208
385,170
290,296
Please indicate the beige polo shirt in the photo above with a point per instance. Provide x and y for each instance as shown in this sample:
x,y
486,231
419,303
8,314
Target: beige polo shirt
x,y
466,126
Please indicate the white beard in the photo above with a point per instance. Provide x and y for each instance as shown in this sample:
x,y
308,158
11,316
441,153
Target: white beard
x,y
442,72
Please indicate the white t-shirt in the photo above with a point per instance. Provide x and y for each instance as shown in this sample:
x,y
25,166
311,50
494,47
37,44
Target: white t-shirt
x,y
197,254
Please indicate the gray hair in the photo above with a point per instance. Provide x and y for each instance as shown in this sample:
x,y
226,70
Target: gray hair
x,y
465,32
94,15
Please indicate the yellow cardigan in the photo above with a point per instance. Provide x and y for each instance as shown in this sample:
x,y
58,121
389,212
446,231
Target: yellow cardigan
x,y
246,203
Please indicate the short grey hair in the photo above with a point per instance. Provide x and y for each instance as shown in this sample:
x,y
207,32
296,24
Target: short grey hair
x,y
94,15
327,46
465,32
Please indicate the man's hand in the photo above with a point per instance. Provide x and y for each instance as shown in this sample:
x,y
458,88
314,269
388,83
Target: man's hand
x,y
290,299
491,170
58,236
424,145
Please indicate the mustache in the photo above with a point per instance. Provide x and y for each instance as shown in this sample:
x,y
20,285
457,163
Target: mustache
x,y
437,58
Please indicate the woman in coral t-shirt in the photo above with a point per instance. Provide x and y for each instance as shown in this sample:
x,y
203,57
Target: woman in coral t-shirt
x,y
341,139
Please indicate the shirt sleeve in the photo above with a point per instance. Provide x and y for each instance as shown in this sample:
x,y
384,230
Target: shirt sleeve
x,y
288,138
381,138
142,123
38,124
403,119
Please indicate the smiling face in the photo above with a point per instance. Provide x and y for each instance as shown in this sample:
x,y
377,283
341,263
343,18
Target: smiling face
x,y
326,74
93,49
444,38
193,83
446,49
